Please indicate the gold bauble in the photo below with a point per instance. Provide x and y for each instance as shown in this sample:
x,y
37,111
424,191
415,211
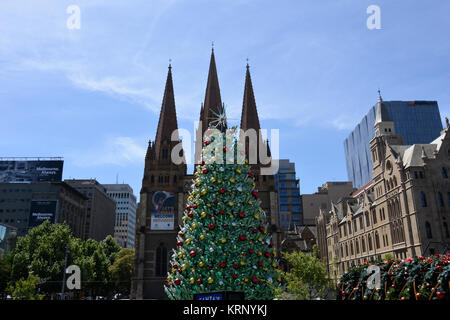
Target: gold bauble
x,y
210,280
192,280
202,237
201,264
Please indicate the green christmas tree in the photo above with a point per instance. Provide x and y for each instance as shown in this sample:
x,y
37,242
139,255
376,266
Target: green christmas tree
x,y
224,243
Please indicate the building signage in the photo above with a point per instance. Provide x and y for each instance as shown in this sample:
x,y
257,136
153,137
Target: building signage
x,y
163,211
41,211
31,171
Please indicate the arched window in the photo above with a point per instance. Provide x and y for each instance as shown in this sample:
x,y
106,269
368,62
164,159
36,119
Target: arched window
x,y
444,173
395,181
447,235
351,247
175,179
369,240
363,245
440,199
423,199
357,245
428,230
377,240
161,261
152,178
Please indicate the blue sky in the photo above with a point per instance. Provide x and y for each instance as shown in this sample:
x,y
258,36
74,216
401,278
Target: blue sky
x,y
93,95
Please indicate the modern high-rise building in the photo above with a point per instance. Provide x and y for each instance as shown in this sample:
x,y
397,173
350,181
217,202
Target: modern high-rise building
x,y
289,200
416,121
100,209
124,227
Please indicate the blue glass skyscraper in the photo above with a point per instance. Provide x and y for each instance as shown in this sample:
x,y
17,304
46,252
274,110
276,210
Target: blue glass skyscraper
x,y
415,121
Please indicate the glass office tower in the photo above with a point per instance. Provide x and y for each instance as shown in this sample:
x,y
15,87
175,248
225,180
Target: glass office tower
x,y
416,121
289,200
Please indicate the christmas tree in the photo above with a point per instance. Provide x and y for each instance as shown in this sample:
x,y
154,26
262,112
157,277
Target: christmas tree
x,y
224,243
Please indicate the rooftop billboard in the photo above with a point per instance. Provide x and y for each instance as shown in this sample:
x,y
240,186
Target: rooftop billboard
x,y
17,171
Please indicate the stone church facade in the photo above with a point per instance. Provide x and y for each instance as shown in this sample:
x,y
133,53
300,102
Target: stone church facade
x,y
404,211
165,185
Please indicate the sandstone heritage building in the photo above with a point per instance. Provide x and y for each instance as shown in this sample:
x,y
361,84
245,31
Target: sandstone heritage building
x,y
165,185
403,211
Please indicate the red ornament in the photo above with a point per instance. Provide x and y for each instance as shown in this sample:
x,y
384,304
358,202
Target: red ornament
x,y
260,263
212,215
250,251
241,215
179,270
199,281
260,281
175,266
206,143
222,190
223,265
188,208
177,281
202,163
242,237
267,254
180,234
254,279
225,149
343,293
190,215
224,227
255,194
195,206
192,253
250,175
236,266
205,170
211,226
179,243
221,212
215,201
440,295
235,276
271,245
208,268
255,231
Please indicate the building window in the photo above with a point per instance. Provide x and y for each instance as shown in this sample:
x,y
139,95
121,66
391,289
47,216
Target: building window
x,y
447,235
423,199
444,173
428,230
152,178
161,261
374,216
377,240
440,199
369,240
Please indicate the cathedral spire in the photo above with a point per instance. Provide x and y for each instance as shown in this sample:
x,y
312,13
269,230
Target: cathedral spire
x,y
168,117
213,102
249,118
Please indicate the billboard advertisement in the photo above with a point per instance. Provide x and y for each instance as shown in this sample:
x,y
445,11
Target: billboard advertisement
x,y
31,170
40,211
163,210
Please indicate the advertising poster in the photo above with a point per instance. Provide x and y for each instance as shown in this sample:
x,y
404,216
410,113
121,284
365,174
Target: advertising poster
x,y
31,171
163,211
41,211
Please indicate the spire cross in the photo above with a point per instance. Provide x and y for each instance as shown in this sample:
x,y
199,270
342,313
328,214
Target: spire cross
x,y
379,95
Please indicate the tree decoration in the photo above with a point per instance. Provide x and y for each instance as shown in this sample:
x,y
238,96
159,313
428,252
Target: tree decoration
x,y
221,224
409,279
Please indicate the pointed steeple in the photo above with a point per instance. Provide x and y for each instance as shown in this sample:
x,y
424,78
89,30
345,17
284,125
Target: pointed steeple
x,y
249,117
213,101
168,117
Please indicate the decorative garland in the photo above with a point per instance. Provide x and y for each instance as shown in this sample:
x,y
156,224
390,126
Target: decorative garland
x,y
410,279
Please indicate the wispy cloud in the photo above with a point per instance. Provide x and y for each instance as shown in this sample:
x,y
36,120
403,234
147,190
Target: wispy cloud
x,y
120,151
342,122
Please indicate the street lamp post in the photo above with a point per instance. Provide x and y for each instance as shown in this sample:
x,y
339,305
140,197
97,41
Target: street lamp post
x,y
64,272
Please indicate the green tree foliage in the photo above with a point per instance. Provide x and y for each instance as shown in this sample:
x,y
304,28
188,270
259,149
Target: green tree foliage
x,y
5,272
122,270
224,243
306,278
25,289
42,252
